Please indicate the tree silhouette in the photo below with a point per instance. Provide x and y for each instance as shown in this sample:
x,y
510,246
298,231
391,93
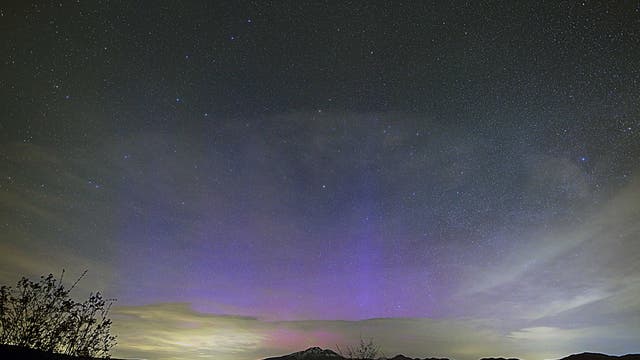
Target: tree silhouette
x,y
40,315
364,350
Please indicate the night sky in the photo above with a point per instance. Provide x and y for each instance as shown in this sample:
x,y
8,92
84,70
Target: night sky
x,y
249,179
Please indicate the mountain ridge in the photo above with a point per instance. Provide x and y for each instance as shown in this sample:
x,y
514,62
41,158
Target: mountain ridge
x,y
313,353
317,353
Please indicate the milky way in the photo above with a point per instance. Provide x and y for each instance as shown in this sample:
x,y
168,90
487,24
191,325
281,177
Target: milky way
x,y
252,179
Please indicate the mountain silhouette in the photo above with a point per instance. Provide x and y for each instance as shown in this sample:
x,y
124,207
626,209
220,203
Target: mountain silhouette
x,y
402,357
597,356
316,353
313,353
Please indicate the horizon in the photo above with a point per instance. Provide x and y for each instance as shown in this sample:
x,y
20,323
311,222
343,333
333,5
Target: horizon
x,y
313,350
249,179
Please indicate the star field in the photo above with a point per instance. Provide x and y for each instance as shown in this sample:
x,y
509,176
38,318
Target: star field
x,y
252,178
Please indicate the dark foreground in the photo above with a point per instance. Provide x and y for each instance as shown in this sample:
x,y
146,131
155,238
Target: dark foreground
x,y
316,353
10,352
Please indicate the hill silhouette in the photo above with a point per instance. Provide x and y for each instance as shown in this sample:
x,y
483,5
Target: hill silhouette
x,y
316,353
597,356
23,353
402,357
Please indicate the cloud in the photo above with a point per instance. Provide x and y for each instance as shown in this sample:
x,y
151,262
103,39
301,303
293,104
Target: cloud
x,y
177,331
565,269
546,334
611,339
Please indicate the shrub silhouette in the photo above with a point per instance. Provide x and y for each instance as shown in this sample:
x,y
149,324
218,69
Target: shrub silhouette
x,y
364,350
40,315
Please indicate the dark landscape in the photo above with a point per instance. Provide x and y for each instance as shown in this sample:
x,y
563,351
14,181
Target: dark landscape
x,y
314,353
